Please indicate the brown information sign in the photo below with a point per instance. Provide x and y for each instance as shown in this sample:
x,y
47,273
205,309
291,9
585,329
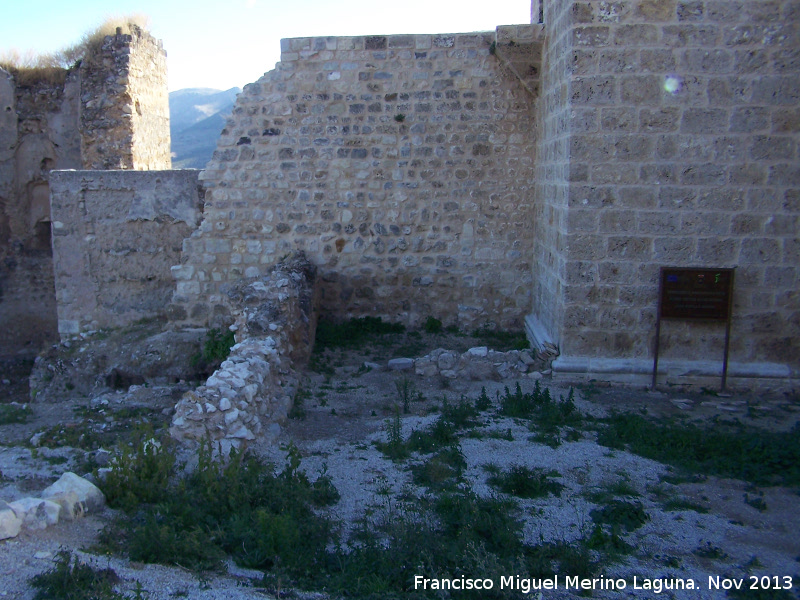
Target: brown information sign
x,y
696,294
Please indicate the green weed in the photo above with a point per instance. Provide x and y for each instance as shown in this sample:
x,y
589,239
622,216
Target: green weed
x,y
547,417
442,470
14,413
432,325
461,415
756,501
525,482
483,402
758,456
406,392
502,341
71,579
680,503
216,348
239,507
352,333
298,409
140,471
619,513
710,551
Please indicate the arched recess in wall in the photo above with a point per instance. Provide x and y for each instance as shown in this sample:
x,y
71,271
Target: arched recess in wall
x,y
5,228
39,237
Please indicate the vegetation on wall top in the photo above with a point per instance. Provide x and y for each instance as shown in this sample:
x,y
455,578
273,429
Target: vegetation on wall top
x,y
31,68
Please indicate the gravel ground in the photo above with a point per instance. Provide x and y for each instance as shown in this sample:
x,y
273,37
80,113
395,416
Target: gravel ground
x,y
347,412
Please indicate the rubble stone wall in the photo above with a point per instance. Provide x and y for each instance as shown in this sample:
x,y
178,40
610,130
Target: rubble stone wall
x,y
124,104
38,132
111,111
275,316
401,165
669,138
116,236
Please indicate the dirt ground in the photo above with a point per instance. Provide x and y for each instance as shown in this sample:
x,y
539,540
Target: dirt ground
x,y
346,411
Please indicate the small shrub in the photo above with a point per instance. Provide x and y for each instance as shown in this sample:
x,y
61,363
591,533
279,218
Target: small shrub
x,y
14,413
756,502
483,402
618,513
71,579
140,472
406,392
755,455
394,448
432,325
439,434
442,470
218,345
239,507
298,410
710,551
461,415
610,543
678,504
524,482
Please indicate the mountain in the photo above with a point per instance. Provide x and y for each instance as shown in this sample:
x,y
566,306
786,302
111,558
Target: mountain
x,y
197,115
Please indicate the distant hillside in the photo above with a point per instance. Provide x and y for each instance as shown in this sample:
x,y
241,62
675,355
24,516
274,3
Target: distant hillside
x,y
197,115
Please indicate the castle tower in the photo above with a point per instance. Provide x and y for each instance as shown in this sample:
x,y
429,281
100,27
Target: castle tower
x,y
124,111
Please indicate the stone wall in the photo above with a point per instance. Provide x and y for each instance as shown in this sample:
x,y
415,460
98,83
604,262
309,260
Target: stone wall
x,y
553,166
401,165
124,104
116,235
275,318
677,145
110,111
37,133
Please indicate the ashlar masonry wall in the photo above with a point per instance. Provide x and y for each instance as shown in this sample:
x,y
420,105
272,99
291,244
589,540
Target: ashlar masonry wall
x,y
401,165
670,134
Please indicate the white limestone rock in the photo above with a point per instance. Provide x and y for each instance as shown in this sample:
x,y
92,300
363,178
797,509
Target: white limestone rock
x,y
75,495
36,513
480,351
401,364
10,523
447,361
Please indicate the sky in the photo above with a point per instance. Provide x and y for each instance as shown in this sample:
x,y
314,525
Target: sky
x,y
230,43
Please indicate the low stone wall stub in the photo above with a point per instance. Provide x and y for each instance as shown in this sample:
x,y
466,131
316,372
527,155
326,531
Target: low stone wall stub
x,y
251,393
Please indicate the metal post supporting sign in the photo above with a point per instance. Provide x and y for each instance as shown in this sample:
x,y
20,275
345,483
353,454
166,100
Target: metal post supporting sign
x,y
687,294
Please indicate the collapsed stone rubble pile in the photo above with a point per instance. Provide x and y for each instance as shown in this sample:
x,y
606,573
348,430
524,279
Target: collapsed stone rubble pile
x,y
479,363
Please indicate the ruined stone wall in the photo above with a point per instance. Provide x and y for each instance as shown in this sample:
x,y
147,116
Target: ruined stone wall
x,y
116,235
124,104
401,165
111,111
148,90
37,133
682,151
